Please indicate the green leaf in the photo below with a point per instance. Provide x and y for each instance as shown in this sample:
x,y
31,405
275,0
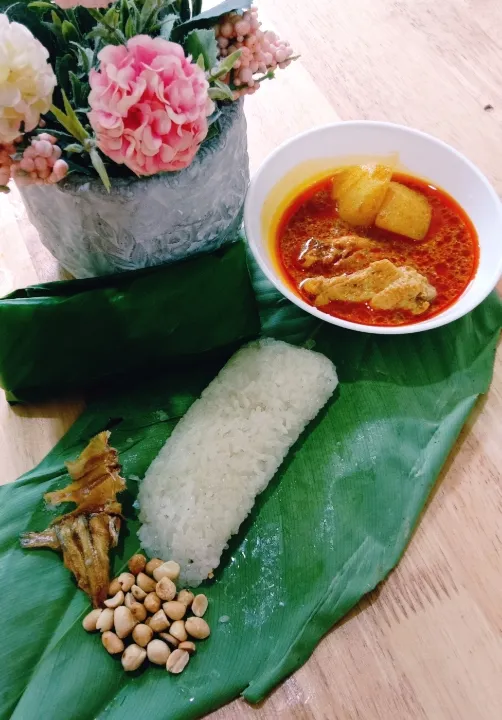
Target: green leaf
x,y
80,92
4,189
56,19
103,310
148,13
166,26
111,17
124,14
202,42
64,63
74,148
99,166
85,57
69,120
196,7
225,66
101,33
209,17
39,4
185,10
332,524
214,131
135,18
54,30
69,31
130,28
220,91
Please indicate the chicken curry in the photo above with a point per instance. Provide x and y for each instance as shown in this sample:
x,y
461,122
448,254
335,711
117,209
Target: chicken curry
x,y
377,247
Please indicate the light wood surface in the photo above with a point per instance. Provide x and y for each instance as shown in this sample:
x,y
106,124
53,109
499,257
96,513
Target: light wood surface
x,y
428,643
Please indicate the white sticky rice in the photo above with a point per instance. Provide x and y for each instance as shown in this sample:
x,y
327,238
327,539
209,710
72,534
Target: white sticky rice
x,y
225,451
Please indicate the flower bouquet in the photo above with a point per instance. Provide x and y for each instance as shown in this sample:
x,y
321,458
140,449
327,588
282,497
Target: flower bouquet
x,y
136,106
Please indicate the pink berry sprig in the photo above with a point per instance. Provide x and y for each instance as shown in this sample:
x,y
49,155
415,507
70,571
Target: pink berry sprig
x,y
41,162
6,151
261,52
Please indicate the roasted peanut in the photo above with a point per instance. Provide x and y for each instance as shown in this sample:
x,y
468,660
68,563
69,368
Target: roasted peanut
x,y
133,657
166,589
157,652
159,622
90,620
137,564
138,612
152,564
168,569
142,634
114,587
138,593
177,630
185,597
145,583
177,661
112,643
124,621
197,628
189,646
126,581
169,639
199,605
174,610
115,601
152,602
105,620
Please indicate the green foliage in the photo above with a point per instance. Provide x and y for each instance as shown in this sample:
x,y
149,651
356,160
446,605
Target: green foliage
x,y
185,11
208,18
166,26
202,42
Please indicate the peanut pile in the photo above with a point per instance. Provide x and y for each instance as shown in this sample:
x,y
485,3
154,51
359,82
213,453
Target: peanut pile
x,y
145,617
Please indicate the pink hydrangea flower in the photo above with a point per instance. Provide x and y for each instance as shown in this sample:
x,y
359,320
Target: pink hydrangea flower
x,y
149,105
68,4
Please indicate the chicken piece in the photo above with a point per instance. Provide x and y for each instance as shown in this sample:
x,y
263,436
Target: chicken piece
x,y
329,251
360,286
405,212
360,191
86,535
411,291
382,284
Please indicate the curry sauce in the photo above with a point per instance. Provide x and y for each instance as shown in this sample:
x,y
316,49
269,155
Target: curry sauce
x,y
447,257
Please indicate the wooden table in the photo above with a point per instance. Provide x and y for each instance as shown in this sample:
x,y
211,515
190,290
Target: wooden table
x,y
427,644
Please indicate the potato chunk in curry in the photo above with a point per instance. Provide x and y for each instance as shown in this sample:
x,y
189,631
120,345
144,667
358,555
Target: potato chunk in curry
x,y
405,212
382,284
360,191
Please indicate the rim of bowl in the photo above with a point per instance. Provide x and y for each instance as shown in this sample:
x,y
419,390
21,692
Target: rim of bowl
x,y
430,324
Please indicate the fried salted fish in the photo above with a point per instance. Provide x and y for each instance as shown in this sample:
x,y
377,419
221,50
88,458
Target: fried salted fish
x,y
382,284
86,535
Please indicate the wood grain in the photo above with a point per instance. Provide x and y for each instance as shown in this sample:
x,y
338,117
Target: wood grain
x,y
426,645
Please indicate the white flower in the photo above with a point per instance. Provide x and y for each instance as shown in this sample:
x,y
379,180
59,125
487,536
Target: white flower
x,y
26,80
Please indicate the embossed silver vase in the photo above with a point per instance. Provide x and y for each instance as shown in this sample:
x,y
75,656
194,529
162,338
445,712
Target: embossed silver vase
x,y
147,221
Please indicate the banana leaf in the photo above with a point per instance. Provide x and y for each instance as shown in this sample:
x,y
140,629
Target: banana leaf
x,y
66,337
331,526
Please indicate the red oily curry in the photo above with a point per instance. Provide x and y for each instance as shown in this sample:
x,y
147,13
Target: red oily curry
x,y
376,247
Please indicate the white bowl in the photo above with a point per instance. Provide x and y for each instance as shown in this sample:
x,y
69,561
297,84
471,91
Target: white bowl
x,y
315,153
